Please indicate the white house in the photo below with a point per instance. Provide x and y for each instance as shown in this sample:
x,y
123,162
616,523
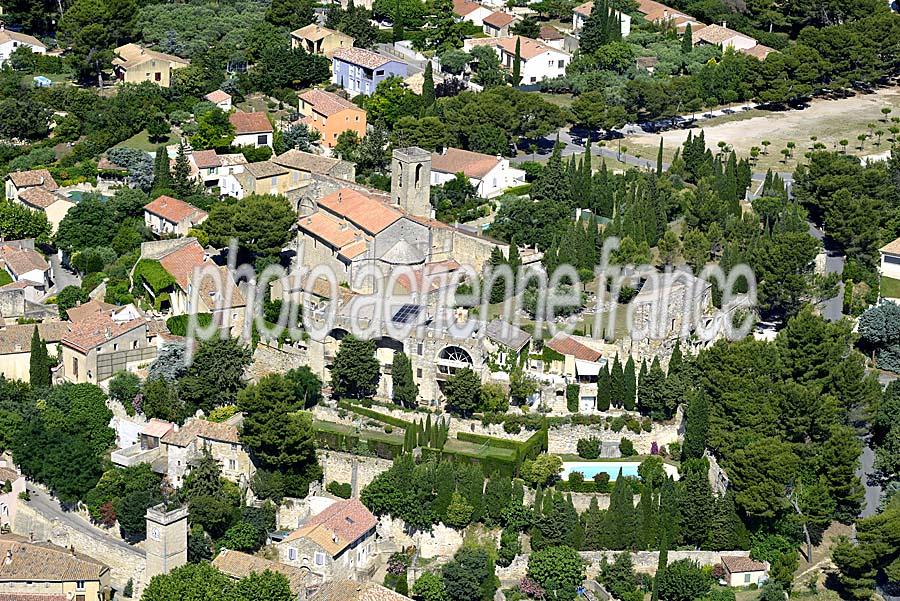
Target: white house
x,y
217,170
743,571
251,129
490,175
720,35
472,12
539,61
25,265
889,270
10,41
583,11
167,215
221,99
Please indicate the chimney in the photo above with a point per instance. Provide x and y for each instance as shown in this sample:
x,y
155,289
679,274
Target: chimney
x,y
107,332
72,550
725,24
8,559
340,196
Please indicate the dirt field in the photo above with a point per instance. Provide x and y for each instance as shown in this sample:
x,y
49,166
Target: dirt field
x,y
829,120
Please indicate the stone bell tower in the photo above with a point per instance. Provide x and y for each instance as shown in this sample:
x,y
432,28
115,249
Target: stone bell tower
x,y
166,543
411,180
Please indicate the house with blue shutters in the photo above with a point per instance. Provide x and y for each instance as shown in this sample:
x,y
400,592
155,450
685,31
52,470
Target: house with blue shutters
x,y
359,71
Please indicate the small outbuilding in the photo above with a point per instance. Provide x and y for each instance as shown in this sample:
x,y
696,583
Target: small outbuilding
x,y
743,571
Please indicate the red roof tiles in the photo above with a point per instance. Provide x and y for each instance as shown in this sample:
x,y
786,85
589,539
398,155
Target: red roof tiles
x,y
250,123
175,210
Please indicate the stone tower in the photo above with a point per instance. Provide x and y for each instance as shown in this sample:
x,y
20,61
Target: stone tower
x,y
166,539
411,180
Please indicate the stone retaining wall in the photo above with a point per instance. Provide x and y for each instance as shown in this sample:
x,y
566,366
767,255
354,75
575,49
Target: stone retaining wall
x,y
124,564
341,467
564,440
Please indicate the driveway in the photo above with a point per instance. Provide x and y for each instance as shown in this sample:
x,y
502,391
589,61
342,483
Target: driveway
x,y
49,508
62,277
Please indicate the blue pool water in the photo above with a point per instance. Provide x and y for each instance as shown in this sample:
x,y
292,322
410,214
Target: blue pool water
x,y
589,469
77,196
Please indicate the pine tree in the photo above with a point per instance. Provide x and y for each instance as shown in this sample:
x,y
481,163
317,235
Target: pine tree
x,y
604,393
517,63
162,177
551,184
428,97
630,385
39,368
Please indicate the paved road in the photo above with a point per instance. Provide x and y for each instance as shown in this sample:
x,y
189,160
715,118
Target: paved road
x,y
49,508
62,277
873,489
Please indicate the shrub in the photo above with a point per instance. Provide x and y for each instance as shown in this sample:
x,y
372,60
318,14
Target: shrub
x,y
340,489
647,424
572,391
388,429
634,425
589,448
626,448
617,423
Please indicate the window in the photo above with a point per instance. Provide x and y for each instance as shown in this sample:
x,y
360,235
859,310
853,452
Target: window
x,y
79,585
379,72
232,464
292,554
320,558
75,366
747,578
892,259
419,348
134,344
562,64
419,372
157,76
115,346
533,80
262,140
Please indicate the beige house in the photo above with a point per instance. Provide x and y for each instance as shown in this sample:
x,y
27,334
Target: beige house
x,y
251,129
167,215
183,445
345,590
25,265
18,181
99,346
743,571
337,543
45,571
721,36
889,270
9,501
221,99
237,565
497,24
135,64
54,205
15,346
316,39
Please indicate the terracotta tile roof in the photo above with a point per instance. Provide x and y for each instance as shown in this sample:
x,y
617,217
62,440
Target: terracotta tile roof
x,y
464,7
217,96
564,344
22,285
362,57
213,298
429,277
337,527
367,212
35,177
306,161
264,169
44,562
892,247
239,565
175,210
736,564
7,474
759,51
549,32
455,160
499,20
529,48
250,123
715,34
354,249
14,36
201,428
98,329
314,32
206,159
157,427
184,435
17,338
22,260
181,262
329,229
88,309
348,590
132,55
232,159
327,103
584,9
38,197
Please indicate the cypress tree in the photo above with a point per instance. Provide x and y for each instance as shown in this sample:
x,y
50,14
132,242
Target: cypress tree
x,y
697,427
676,361
617,383
428,95
647,535
592,520
498,289
595,32
538,500
398,35
725,530
162,177
686,40
630,385
667,527
659,159
603,389
517,63
405,390
39,365
696,505
181,174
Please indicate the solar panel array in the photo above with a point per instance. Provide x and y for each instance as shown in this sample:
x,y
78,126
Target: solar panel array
x,y
407,314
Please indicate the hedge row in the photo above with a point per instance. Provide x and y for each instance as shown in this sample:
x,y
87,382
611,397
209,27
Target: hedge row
x,y
528,449
381,417
352,443
489,465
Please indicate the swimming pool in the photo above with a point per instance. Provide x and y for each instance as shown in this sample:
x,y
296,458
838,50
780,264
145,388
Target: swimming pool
x,y
77,196
589,469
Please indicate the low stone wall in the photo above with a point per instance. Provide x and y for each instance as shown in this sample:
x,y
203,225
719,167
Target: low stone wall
x,y
564,440
124,563
354,469
439,542
644,561
268,359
